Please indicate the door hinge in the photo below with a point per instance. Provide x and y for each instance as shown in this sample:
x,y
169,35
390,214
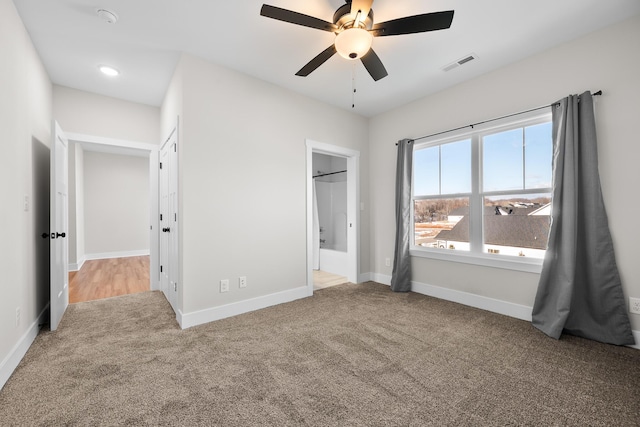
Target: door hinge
x,y
175,148
160,165
175,217
175,287
160,269
160,217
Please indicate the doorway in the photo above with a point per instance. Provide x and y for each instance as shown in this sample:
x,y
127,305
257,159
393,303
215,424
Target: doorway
x,y
125,171
334,182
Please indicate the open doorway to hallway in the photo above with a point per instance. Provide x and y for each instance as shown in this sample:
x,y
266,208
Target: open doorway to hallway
x,y
112,198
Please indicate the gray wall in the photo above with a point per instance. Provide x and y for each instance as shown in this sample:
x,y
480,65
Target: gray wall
x,y
25,120
243,180
607,60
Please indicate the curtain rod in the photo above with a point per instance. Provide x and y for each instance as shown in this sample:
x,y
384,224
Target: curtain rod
x,y
598,93
327,174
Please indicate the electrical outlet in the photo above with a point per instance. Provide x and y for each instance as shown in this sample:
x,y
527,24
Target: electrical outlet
x,y
387,262
224,285
17,316
634,305
242,281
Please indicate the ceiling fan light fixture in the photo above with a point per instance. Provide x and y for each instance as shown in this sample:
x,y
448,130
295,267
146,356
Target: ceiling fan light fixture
x,y
353,43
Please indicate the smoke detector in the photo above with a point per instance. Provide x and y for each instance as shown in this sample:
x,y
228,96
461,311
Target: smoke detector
x,y
107,16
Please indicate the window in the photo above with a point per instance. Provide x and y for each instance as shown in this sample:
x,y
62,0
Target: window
x,y
485,195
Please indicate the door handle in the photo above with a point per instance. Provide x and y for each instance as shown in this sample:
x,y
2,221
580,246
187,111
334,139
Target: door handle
x,y
44,235
60,235
166,230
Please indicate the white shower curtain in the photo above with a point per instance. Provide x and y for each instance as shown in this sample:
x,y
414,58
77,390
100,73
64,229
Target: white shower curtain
x,y
316,230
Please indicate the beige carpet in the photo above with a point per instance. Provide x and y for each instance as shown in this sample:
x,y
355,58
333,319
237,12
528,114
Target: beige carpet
x,y
352,355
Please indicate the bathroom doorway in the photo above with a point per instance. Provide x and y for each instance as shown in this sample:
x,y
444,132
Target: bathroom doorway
x,y
330,263
332,215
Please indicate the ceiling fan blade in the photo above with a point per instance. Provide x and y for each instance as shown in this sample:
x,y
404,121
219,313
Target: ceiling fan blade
x,y
374,65
296,18
317,61
361,5
414,24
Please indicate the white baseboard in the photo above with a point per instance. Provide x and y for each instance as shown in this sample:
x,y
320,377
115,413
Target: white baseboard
x,y
364,277
510,309
188,320
76,266
121,254
381,278
636,336
11,362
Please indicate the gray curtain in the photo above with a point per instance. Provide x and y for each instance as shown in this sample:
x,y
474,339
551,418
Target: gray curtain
x,y
401,275
579,291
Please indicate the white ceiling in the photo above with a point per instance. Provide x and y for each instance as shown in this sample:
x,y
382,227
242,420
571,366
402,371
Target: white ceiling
x,y
146,42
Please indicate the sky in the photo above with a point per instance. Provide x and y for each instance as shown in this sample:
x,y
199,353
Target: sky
x,y
516,159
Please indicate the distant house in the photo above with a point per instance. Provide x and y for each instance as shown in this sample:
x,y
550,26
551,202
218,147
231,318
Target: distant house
x,y
508,230
457,214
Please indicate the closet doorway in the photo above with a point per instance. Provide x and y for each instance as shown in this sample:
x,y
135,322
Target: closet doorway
x,y
332,215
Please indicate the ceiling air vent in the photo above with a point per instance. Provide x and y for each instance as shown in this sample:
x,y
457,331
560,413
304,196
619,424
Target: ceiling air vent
x,y
459,62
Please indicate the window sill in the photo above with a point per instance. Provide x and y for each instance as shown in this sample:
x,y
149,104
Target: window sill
x,y
529,265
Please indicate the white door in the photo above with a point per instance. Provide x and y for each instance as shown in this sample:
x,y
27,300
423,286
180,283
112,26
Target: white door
x,y
173,221
164,220
169,219
59,226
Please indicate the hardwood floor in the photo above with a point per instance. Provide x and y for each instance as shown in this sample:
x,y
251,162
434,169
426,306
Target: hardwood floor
x,y
105,278
322,279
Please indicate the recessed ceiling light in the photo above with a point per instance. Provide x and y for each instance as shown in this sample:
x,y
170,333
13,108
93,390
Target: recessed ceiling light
x,y
109,71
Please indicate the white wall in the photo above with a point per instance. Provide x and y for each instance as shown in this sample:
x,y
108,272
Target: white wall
x,y
25,121
243,181
607,60
116,204
97,115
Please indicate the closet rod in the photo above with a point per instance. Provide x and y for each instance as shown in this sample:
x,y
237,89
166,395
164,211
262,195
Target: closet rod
x,y
598,93
330,173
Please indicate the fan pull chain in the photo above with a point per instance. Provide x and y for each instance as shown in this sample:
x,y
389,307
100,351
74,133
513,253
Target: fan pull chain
x,y
353,85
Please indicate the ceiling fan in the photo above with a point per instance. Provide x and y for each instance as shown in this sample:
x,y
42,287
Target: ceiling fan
x,y
355,29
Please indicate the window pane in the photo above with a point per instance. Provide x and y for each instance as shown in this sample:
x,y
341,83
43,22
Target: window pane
x,y
502,161
456,167
517,225
442,223
426,171
538,154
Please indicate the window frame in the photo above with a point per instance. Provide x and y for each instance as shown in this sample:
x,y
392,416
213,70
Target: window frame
x,y
476,255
